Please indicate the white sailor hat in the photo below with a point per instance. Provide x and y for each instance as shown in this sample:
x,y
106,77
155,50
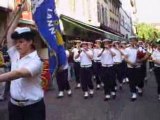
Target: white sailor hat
x,y
115,42
84,43
77,41
98,40
23,32
140,41
123,42
106,40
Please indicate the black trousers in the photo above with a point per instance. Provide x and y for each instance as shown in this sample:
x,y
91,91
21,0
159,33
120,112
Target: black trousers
x,y
62,80
144,69
124,69
157,75
86,78
108,77
151,64
136,78
97,71
118,68
30,112
77,71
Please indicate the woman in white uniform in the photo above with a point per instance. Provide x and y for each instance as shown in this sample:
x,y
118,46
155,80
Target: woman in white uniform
x,y
26,101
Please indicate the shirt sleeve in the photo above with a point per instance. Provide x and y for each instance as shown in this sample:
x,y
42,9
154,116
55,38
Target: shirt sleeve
x,y
126,52
153,56
34,67
67,53
13,53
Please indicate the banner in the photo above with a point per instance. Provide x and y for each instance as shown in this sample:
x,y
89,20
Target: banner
x,y
47,21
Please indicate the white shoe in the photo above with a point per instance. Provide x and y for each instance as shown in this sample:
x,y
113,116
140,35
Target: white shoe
x,y
159,97
91,92
107,97
102,84
150,70
86,95
78,85
98,86
69,92
124,80
134,97
1,98
61,94
127,80
115,88
140,91
113,93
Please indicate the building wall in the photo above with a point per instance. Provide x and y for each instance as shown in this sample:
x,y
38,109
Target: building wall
x,y
125,23
82,10
103,12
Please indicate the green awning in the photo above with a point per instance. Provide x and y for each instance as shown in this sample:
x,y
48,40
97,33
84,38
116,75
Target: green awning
x,y
76,28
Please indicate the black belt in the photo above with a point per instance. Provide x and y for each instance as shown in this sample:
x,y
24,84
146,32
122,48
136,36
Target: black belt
x,y
19,100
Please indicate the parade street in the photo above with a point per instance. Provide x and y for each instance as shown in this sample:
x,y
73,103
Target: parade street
x,y
77,108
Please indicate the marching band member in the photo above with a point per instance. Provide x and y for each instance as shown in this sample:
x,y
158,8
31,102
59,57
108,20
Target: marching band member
x,y
117,63
86,56
62,79
77,63
27,95
97,63
124,64
132,67
156,59
108,73
134,59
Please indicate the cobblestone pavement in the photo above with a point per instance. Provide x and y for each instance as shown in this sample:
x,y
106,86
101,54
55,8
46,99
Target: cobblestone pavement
x,y
77,108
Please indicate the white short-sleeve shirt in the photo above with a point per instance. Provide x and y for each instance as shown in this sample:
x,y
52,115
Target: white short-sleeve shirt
x,y
84,59
26,88
132,55
96,52
118,56
66,65
75,53
107,58
156,56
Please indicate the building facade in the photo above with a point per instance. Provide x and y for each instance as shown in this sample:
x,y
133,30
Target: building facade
x,y
108,15
125,24
82,10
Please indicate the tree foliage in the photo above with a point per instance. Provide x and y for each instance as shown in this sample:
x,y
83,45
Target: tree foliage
x,y
147,31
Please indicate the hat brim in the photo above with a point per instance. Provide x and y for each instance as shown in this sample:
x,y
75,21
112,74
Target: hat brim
x,y
26,35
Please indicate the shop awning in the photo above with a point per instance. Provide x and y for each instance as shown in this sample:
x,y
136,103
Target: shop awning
x,y
72,27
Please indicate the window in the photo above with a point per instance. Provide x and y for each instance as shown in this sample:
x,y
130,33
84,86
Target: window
x,y
99,12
